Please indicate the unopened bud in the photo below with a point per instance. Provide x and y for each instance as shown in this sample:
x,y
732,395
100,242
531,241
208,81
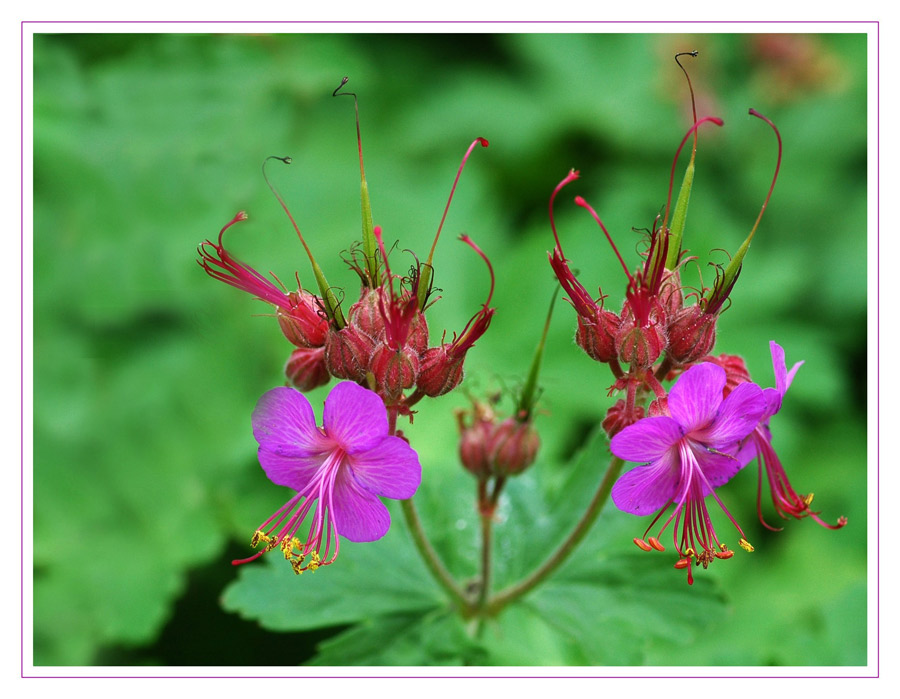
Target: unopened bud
x,y
366,314
598,338
439,373
618,417
303,325
670,294
692,335
475,440
515,446
348,352
306,368
394,371
639,346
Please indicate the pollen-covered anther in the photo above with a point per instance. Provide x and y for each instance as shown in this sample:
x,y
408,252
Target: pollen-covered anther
x,y
746,545
654,542
807,499
257,537
643,545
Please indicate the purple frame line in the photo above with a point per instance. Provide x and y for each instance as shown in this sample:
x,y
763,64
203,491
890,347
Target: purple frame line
x,y
394,677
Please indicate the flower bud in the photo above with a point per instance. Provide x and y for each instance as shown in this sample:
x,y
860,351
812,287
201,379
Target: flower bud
x,y
417,339
348,352
598,338
670,294
692,334
366,314
475,440
439,373
303,325
640,346
514,447
618,417
306,368
394,371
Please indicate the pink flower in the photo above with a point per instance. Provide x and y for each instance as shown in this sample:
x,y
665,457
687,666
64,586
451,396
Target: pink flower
x,y
338,471
686,455
759,445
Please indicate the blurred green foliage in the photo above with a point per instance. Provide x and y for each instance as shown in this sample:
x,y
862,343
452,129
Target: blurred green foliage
x,y
146,371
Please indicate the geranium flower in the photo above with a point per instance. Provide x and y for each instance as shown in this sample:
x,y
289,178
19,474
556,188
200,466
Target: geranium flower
x,y
759,445
687,455
338,471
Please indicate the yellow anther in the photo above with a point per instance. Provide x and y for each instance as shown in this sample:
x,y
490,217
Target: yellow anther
x,y
807,499
295,564
257,537
746,545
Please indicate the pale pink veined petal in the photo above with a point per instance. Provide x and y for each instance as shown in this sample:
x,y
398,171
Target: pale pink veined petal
x,y
646,440
646,489
358,515
390,469
697,395
737,417
284,423
292,471
355,417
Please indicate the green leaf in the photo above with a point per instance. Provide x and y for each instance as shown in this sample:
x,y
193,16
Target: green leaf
x,y
435,638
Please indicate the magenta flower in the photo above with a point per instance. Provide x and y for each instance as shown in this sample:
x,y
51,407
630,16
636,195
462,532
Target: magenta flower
x,y
687,455
759,445
338,471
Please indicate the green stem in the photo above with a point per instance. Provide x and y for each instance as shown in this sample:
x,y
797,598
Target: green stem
x,y
486,532
431,558
504,597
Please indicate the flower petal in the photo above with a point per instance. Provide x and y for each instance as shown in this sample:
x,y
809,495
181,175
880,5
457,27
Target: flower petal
x,y
357,514
783,377
646,489
284,423
390,469
355,417
646,440
718,469
292,471
737,417
697,395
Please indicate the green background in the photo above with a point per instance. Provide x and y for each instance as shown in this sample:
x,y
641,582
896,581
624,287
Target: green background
x,y
145,371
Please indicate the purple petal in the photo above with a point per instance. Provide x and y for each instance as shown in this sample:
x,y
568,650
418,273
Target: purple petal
x,y
646,489
284,423
358,515
773,402
737,417
697,395
292,471
778,366
390,469
646,440
783,377
718,469
355,417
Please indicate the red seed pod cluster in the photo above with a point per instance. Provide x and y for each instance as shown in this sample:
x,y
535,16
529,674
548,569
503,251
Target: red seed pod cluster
x,y
382,342
660,330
